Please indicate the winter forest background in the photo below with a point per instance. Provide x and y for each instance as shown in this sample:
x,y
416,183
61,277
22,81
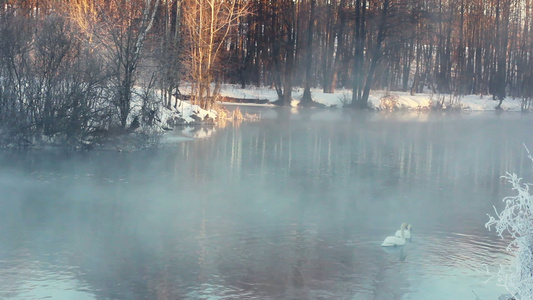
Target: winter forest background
x,y
83,72
73,68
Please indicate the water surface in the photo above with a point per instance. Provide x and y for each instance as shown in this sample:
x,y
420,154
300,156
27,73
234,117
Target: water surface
x,y
292,207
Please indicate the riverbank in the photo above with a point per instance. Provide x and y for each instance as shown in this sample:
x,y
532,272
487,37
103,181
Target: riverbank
x,y
187,114
385,100
149,119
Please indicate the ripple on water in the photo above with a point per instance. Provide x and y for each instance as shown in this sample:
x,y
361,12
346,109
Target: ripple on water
x,y
25,278
448,265
218,291
463,248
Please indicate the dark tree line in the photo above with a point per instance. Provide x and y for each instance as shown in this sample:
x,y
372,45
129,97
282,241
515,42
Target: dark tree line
x,y
443,46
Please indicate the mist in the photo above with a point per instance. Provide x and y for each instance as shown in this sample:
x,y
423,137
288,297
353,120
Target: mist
x,y
294,206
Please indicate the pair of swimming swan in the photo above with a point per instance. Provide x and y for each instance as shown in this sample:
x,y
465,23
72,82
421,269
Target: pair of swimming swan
x,y
399,238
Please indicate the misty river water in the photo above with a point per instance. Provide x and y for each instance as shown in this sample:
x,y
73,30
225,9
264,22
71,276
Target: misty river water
x,y
294,206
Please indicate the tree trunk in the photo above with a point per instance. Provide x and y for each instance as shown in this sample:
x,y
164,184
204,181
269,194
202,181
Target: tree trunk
x,y
306,98
359,37
376,54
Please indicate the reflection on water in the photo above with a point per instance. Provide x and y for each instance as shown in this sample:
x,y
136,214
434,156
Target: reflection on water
x,y
292,207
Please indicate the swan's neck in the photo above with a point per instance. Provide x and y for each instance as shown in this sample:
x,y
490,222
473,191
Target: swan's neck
x,y
403,237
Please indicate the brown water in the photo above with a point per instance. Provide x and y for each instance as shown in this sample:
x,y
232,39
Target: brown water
x,y
292,207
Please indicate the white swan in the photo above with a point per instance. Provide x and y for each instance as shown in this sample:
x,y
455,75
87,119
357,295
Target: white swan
x,y
392,241
406,232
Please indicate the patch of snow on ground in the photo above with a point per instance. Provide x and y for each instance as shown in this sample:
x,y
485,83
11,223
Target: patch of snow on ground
x,y
405,99
166,118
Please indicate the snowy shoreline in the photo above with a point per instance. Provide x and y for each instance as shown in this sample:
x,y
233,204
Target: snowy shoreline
x,y
188,114
403,100
191,120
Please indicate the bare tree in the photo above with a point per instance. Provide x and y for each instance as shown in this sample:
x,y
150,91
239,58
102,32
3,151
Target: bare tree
x,y
169,53
51,87
307,100
208,24
121,28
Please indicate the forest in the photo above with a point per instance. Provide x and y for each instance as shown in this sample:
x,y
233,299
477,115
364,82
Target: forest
x,y
448,47
72,68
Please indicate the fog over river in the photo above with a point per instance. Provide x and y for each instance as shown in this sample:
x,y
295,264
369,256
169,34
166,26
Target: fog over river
x,y
294,206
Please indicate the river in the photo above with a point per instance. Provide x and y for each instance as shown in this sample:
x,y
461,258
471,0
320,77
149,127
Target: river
x,y
294,206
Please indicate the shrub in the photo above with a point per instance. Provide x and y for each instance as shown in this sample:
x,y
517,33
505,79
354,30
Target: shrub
x,y
388,102
517,220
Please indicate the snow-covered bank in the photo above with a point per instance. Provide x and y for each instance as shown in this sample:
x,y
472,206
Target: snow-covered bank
x,y
154,116
186,114
161,118
401,100
149,120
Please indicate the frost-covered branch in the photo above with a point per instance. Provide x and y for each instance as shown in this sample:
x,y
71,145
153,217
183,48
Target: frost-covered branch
x,y
516,219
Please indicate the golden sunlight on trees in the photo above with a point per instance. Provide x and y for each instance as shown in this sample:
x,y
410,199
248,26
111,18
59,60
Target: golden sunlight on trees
x,y
449,47
84,14
208,24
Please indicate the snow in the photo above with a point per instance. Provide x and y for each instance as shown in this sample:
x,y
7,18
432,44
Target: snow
x,y
166,118
516,219
404,99
188,114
